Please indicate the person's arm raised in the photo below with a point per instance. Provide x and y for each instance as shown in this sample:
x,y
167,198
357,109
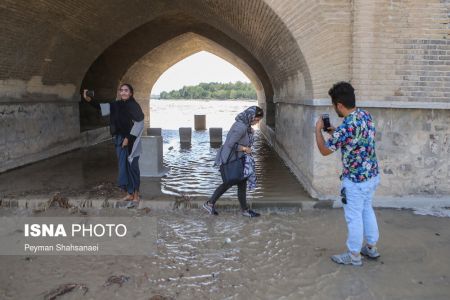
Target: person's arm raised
x,y
324,150
85,96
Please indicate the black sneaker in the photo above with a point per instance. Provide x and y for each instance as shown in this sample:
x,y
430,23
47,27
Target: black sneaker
x,y
250,213
211,210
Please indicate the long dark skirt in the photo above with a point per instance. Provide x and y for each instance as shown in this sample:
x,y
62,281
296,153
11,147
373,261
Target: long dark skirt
x,y
129,178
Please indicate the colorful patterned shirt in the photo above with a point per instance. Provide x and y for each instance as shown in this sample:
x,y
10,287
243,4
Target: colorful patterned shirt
x,y
356,138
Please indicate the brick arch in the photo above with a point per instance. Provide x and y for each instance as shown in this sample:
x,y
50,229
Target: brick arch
x,y
396,58
51,49
145,72
57,43
281,73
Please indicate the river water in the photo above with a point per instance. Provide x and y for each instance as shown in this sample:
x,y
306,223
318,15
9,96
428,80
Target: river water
x,y
284,254
281,255
192,169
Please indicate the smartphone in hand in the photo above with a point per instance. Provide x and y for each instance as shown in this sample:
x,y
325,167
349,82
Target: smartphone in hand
x,y
326,122
90,94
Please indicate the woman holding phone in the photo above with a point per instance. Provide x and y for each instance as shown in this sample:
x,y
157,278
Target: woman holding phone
x,y
126,126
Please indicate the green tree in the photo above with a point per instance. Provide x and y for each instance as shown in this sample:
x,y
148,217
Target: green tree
x,y
213,90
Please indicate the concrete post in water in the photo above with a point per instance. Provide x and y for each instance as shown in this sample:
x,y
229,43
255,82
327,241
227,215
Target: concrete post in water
x,y
151,166
154,131
151,160
215,136
185,135
200,122
150,188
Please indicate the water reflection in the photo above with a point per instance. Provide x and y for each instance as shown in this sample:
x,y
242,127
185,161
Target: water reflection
x,y
191,166
192,169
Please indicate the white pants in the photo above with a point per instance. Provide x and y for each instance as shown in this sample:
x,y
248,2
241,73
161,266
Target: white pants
x,y
359,214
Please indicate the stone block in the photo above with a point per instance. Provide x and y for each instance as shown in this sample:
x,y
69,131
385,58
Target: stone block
x,y
200,122
185,135
154,131
215,135
151,160
150,187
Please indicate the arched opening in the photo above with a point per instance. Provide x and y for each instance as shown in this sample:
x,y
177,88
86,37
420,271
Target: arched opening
x,y
280,77
107,52
191,165
145,72
297,49
204,84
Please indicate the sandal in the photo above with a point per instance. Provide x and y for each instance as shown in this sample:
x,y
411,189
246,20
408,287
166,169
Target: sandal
x,y
129,197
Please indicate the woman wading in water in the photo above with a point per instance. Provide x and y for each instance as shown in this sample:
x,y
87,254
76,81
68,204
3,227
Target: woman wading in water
x,y
239,140
126,126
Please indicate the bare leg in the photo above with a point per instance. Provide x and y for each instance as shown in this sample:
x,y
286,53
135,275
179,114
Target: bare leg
x,y
136,198
128,197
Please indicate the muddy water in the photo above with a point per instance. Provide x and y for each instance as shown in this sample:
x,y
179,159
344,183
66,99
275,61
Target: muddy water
x,y
280,255
73,173
191,171
191,168
172,114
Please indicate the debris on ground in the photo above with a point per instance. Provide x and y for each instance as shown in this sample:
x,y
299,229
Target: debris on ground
x,y
116,279
56,201
184,201
144,211
64,289
77,210
160,297
105,190
59,200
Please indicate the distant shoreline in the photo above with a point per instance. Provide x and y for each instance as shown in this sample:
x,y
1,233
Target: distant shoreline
x,y
249,100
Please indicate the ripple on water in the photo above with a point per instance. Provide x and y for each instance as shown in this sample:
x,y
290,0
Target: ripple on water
x,y
222,251
192,169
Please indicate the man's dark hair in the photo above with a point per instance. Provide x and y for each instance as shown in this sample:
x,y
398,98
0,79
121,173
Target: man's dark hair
x,y
259,112
343,92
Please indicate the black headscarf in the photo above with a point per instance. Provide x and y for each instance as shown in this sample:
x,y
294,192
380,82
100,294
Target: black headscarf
x,y
123,113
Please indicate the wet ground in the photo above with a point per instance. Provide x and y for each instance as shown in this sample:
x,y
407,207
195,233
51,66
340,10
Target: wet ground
x,y
192,169
91,172
73,173
282,255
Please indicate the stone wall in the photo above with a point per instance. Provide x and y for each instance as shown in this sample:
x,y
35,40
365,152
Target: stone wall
x,y
401,50
396,54
413,149
33,131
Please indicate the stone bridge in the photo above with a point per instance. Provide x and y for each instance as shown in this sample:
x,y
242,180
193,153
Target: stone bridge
x,y
395,53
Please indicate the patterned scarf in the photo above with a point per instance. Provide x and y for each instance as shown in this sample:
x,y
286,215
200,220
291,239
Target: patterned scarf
x,y
247,117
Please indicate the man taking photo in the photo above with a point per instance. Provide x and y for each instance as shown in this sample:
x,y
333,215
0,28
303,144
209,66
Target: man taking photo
x,y
360,176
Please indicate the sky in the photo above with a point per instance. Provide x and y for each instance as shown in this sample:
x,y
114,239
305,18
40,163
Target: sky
x,y
200,67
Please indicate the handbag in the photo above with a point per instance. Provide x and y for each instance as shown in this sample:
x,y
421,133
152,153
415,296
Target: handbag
x,y
232,171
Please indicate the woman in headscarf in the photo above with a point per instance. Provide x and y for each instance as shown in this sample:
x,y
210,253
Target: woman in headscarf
x,y
239,140
126,126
